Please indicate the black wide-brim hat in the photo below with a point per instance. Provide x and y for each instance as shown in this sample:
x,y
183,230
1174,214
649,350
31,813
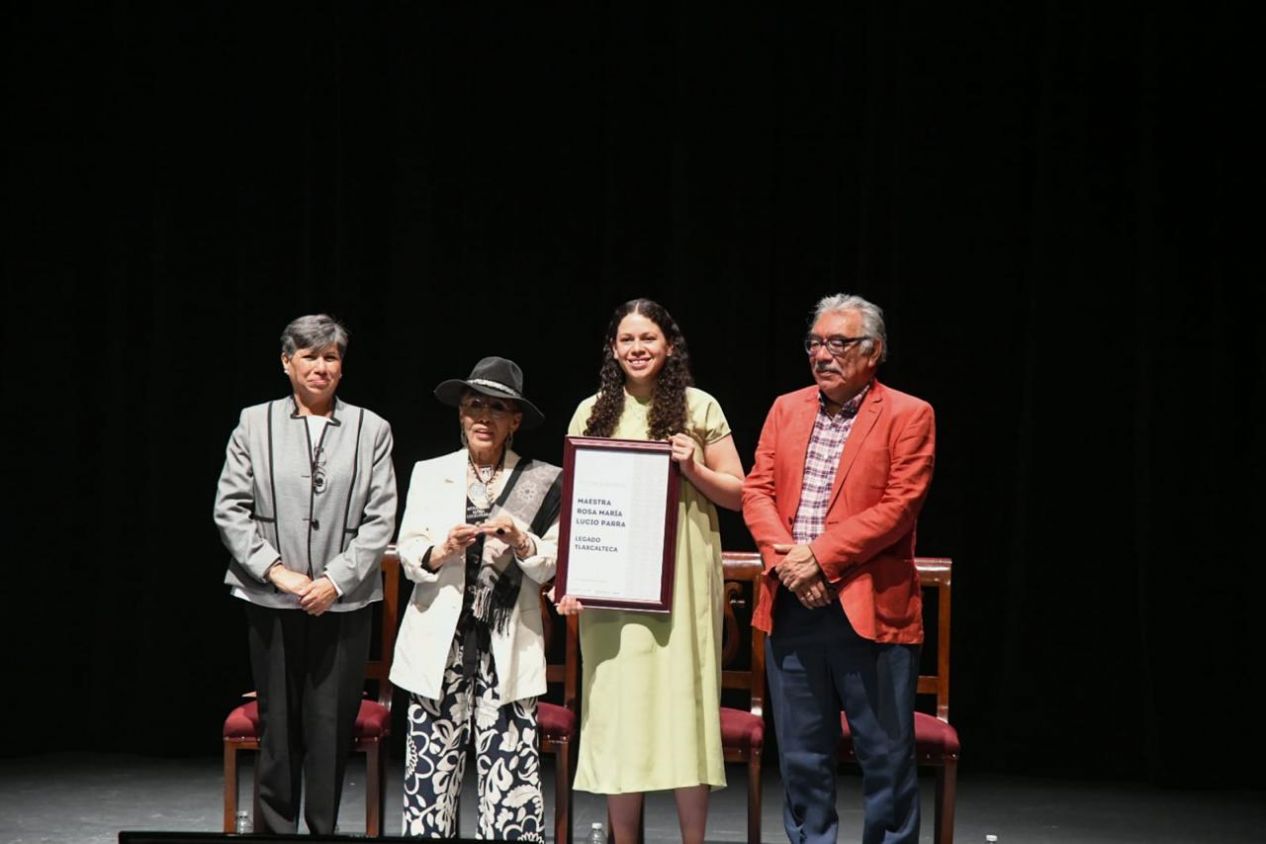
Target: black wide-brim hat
x,y
492,376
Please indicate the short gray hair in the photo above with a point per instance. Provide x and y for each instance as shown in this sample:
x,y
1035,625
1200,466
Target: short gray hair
x,y
872,318
315,331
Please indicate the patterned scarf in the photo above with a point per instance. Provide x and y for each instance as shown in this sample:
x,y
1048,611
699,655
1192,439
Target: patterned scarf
x,y
533,495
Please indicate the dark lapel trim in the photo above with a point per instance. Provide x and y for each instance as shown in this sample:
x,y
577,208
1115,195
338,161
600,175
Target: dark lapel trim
x,y
351,490
339,407
272,466
307,438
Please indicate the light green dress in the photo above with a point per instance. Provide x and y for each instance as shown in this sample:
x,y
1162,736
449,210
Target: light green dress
x,y
650,694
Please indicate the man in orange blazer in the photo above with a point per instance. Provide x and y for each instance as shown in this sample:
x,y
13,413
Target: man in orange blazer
x,y
841,472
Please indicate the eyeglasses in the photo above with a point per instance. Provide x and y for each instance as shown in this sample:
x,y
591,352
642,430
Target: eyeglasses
x,y
493,407
835,345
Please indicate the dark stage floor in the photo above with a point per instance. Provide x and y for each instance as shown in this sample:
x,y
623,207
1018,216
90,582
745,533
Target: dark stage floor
x,y
74,798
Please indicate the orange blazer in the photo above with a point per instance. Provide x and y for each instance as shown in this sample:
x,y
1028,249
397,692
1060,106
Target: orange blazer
x,y
867,549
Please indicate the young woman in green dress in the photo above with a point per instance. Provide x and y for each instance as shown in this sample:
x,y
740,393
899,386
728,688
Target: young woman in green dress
x,y
650,717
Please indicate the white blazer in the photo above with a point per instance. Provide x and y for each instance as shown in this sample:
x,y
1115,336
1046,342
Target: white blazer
x,y
436,503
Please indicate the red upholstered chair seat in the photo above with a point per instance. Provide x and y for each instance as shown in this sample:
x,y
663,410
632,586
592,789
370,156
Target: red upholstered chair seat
x,y
243,722
556,722
740,728
933,738
372,722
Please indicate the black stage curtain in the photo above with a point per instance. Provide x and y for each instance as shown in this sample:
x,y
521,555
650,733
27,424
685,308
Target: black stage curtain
x,y
1044,197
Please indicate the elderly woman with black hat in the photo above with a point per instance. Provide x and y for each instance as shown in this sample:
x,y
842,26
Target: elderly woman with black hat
x,y
478,538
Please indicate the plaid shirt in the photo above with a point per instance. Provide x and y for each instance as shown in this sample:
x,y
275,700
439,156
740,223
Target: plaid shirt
x,y
826,444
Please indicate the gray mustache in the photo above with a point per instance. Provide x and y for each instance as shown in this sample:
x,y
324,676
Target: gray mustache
x,y
826,367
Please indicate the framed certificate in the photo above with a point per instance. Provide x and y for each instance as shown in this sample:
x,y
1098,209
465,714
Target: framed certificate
x,y
618,527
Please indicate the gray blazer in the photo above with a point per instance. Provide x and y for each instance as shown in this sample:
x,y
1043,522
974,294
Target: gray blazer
x,y
267,507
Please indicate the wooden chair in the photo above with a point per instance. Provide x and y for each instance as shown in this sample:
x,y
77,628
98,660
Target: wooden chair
x,y
559,723
373,723
936,742
743,730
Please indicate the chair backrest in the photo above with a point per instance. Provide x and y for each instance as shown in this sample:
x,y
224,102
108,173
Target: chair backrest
x,y
379,666
935,577
742,570
562,659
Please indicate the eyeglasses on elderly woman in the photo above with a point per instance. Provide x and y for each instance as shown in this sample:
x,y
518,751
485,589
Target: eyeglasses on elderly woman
x,y
477,405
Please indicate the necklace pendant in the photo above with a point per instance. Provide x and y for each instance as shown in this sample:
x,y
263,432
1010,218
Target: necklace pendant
x,y
479,491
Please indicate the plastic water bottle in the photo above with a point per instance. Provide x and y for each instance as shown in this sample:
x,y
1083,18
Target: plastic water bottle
x,y
243,825
598,833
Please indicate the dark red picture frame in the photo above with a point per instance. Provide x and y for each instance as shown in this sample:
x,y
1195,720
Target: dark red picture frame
x,y
668,566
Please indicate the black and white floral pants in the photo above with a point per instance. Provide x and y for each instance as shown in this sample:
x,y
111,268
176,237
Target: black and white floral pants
x,y
506,757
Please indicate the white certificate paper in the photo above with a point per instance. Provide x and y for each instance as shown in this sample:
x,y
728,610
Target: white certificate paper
x,y
616,523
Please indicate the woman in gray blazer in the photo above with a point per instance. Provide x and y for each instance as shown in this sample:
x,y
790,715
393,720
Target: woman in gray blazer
x,y
306,505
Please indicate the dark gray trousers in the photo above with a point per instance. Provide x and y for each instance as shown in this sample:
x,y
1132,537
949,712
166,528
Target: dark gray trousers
x,y
817,667
309,674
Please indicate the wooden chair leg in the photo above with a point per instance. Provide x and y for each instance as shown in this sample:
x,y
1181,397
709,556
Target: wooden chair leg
x,y
382,780
373,791
256,813
562,795
946,786
230,787
753,797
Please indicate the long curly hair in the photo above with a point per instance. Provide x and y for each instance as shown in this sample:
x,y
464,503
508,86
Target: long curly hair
x,y
668,402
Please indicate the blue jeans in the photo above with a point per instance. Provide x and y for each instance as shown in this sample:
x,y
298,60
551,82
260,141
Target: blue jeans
x,y
817,667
